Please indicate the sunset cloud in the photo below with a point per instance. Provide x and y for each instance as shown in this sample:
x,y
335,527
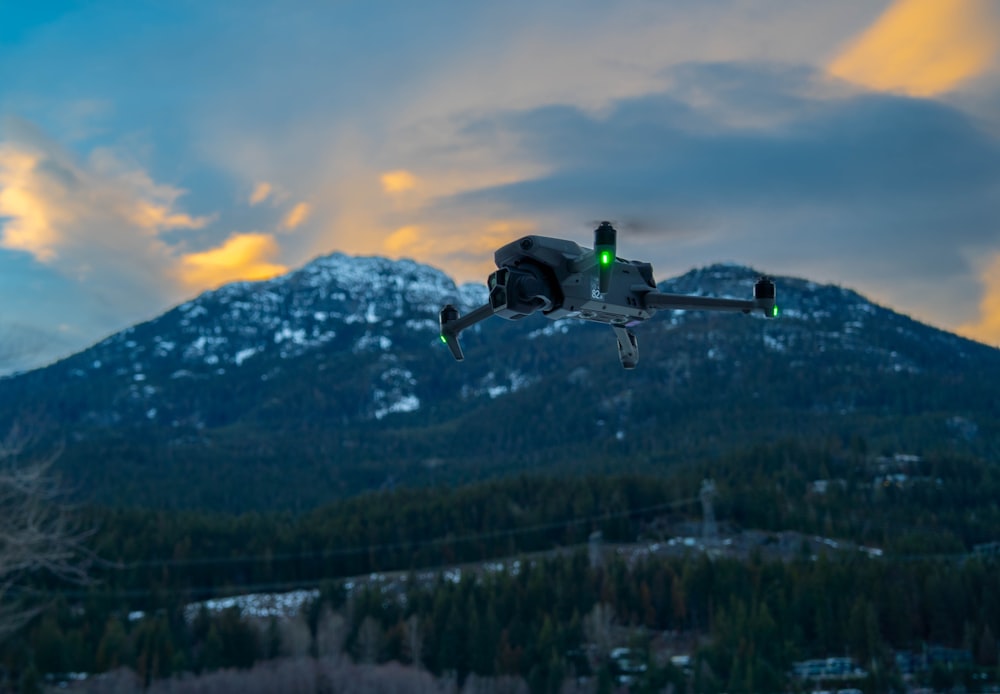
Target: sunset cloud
x,y
398,181
296,216
923,47
987,327
100,223
261,192
241,257
31,224
52,202
465,248
406,241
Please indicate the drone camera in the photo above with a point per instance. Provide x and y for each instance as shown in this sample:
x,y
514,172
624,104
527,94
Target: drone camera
x,y
515,293
497,284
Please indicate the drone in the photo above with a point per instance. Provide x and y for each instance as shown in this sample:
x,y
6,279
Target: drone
x,y
564,280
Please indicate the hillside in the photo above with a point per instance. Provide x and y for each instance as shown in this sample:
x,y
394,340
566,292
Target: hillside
x,y
331,380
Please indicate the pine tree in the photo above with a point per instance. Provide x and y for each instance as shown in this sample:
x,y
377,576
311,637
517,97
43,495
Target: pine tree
x,y
114,649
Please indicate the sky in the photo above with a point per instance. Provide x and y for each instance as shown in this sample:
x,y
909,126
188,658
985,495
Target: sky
x,y
153,150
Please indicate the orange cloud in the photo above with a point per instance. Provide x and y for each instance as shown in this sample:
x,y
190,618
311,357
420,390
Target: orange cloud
x,y
260,193
152,216
398,181
298,214
922,47
31,226
51,201
987,328
465,249
476,239
497,233
240,257
407,241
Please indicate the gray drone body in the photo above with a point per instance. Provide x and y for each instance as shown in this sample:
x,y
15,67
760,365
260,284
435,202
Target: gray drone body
x,y
564,280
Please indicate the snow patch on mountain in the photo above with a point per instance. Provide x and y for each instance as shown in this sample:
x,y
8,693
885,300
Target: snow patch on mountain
x,y
297,313
471,296
394,392
495,386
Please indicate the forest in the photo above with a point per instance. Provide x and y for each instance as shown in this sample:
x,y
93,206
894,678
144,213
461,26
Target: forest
x,y
529,605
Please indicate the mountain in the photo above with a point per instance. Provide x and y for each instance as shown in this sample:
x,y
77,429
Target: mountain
x,y
331,379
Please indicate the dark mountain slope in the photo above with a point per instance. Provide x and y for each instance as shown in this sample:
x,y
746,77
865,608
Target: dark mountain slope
x,y
331,380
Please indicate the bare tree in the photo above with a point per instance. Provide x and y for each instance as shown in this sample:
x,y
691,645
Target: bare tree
x,y
331,633
369,641
598,626
414,642
287,675
37,532
295,637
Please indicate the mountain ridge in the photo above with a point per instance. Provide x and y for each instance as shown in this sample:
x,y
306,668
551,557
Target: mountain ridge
x,y
331,379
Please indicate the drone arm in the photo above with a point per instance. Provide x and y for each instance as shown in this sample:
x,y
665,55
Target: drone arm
x,y
658,300
452,324
763,301
462,322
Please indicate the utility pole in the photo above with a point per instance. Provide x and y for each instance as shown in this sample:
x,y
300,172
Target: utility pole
x,y
709,530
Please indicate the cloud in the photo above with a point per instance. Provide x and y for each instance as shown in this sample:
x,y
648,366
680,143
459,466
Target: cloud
x,y
406,136
987,327
409,241
923,47
97,243
31,225
296,216
260,193
657,152
398,181
241,257
466,249
883,192
48,198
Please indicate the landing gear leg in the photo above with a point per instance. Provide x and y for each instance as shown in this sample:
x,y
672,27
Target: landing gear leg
x,y
628,347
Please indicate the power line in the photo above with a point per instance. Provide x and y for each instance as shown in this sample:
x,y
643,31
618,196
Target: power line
x,y
399,545
230,590
278,586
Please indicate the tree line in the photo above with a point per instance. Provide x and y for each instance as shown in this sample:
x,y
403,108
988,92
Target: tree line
x,y
557,618
750,619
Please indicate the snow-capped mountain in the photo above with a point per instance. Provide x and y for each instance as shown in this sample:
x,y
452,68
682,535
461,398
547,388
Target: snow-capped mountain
x,y
365,306
331,379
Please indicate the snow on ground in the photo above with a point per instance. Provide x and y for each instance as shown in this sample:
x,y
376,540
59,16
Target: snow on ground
x,y
256,604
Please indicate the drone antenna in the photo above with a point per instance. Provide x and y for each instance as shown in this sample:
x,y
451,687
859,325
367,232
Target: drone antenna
x,y
605,237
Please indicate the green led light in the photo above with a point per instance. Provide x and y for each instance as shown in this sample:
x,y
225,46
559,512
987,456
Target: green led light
x,y
774,310
444,339
605,257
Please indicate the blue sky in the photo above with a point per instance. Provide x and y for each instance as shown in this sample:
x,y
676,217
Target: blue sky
x,y
152,150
